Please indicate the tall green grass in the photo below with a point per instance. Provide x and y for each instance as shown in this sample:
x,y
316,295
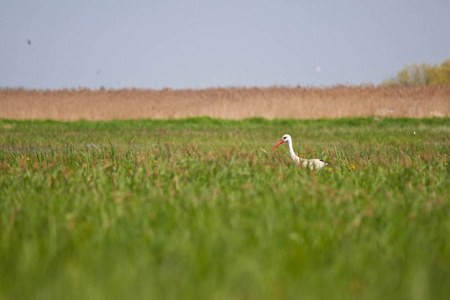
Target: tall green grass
x,y
202,209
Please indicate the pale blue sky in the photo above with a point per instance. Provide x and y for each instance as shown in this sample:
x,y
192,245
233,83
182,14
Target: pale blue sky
x,y
199,44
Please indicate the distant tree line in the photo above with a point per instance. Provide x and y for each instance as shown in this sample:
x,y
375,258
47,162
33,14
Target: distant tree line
x,y
424,74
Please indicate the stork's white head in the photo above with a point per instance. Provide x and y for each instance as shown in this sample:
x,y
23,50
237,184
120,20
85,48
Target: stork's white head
x,y
285,139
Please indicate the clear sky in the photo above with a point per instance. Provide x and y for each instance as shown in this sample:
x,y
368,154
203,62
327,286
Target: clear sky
x,y
177,44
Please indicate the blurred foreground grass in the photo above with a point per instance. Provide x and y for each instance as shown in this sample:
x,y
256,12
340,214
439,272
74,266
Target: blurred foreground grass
x,y
196,209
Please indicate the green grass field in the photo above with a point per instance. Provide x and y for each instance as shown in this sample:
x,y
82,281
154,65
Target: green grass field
x,y
195,209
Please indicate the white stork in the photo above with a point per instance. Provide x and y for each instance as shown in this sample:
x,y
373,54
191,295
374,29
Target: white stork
x,y
312,163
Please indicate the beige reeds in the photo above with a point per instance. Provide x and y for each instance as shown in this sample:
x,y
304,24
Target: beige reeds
x,y
226,103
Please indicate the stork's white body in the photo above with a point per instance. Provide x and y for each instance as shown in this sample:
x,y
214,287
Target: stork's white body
x,y
311,163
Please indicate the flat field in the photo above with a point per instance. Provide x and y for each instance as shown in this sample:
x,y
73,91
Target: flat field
x,y
202,209
226,103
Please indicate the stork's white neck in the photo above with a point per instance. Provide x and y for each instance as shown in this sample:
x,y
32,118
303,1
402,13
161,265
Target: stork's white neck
x,y
291,151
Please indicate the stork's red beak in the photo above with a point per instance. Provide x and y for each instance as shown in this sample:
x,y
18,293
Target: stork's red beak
x,y
278,144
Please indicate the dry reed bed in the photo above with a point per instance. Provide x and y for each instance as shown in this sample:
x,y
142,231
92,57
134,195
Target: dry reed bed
x,y
226,103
